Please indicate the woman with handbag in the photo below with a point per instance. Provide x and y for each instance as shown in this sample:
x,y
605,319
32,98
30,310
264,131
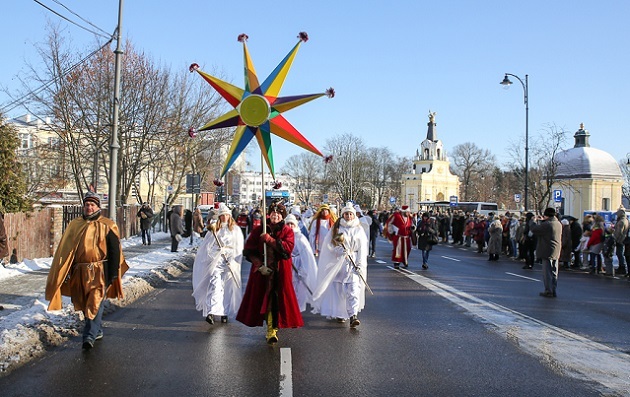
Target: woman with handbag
x,y
427,238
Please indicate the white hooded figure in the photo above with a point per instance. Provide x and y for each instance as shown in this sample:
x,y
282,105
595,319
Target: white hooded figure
x,y
340,291
366,221
216,278
304,265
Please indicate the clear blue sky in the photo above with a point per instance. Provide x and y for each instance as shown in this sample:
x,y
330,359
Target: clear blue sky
x,y
389,62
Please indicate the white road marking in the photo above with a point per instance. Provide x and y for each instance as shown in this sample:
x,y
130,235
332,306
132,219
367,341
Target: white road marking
x,y
452,259
379,261
563,351
286,378
518,275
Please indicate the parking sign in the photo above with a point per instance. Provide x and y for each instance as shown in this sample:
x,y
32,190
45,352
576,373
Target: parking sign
x,y
557,195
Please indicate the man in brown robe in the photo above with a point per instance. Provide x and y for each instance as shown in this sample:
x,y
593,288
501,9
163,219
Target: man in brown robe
x,y
88,266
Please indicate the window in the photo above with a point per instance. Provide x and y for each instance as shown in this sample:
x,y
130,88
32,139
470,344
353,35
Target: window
x,y
605,204
25,141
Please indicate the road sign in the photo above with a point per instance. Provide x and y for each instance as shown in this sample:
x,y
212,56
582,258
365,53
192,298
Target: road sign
x,y
453,201
170,189
517,198
325,198
557,195
392,200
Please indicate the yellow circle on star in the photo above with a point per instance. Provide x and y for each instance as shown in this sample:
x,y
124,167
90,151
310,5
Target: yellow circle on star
x,y
254,110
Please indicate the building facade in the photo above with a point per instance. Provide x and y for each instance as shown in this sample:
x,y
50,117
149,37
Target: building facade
x,y
588,178
430,178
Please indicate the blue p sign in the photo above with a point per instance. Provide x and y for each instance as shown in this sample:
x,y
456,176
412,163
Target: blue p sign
x,y
557,195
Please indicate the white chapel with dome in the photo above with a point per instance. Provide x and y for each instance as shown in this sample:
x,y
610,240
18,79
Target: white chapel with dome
x,y
590,179
430,178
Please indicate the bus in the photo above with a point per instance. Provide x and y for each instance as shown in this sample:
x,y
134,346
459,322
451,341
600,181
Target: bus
x,y
468,206
477,206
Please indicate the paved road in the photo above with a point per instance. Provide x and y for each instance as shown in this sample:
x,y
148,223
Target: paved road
x,y
418,337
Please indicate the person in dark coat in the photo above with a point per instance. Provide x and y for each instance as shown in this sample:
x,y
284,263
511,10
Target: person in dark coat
x,y
4,241
176,227
549,232
375,230
427,237
146,218
576,236
529,242
567,247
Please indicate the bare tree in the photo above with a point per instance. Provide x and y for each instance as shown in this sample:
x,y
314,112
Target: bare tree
x,y
542,175
306,169
472,165
157,108
348,169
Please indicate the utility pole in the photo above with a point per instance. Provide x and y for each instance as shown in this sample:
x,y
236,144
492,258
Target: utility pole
x,y
114,146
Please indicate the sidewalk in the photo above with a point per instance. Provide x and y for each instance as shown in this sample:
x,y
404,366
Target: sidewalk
x,y
27,329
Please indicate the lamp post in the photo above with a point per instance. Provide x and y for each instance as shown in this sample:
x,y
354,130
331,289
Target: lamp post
x,y
506,82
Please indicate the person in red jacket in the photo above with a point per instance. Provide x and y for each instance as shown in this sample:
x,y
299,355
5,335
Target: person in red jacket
x,y
400,228
269,295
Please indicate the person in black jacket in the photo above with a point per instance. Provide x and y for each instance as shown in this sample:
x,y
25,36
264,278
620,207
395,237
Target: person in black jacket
x,y
146,218
576,235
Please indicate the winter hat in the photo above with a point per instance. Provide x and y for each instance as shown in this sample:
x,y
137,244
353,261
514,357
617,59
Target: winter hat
x,y
279,208
405,208
92,197
296,210
565,222
291,219
357,209
549,212
349,207
224,210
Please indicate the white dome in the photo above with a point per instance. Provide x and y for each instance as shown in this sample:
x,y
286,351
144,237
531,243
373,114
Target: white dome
x,y
586,162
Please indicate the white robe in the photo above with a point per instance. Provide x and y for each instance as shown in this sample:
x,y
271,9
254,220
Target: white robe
x,y
304,263
316,246
340,292
216,290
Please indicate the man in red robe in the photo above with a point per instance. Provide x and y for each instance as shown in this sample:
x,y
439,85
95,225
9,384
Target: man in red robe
x,y
400,229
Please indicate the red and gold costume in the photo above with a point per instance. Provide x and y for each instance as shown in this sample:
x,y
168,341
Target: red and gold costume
x,y
399,229
274,293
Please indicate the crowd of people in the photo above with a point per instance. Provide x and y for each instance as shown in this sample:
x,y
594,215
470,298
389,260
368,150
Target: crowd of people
x,y
316,259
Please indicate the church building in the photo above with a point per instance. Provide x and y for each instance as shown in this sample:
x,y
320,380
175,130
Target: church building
x,y
589,179
430,178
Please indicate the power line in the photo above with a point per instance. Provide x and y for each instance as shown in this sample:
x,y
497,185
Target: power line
x,y
41,88
83,19
72,22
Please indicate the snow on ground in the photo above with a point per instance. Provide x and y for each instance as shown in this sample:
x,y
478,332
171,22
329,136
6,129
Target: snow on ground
x,y
27,332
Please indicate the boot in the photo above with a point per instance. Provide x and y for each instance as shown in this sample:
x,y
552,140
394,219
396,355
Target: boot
x,y
272,333
354,321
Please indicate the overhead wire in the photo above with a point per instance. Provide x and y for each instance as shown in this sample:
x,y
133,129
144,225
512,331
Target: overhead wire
x,y
18,101
110,37
73,22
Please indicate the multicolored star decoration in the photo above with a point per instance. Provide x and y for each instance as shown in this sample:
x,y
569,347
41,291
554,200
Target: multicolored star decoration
x,y
258,108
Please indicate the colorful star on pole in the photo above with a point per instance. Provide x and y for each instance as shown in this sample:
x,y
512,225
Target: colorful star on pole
x,y
258,108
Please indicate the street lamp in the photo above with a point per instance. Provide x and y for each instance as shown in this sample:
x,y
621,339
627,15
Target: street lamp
x,y
506,82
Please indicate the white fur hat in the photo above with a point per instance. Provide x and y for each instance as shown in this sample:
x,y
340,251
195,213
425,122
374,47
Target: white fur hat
x,y
291,219
224,210
295,210
349,207
357,208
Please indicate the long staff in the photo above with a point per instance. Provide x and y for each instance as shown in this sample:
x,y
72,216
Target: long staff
x,y
227,262
300,278
356,268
